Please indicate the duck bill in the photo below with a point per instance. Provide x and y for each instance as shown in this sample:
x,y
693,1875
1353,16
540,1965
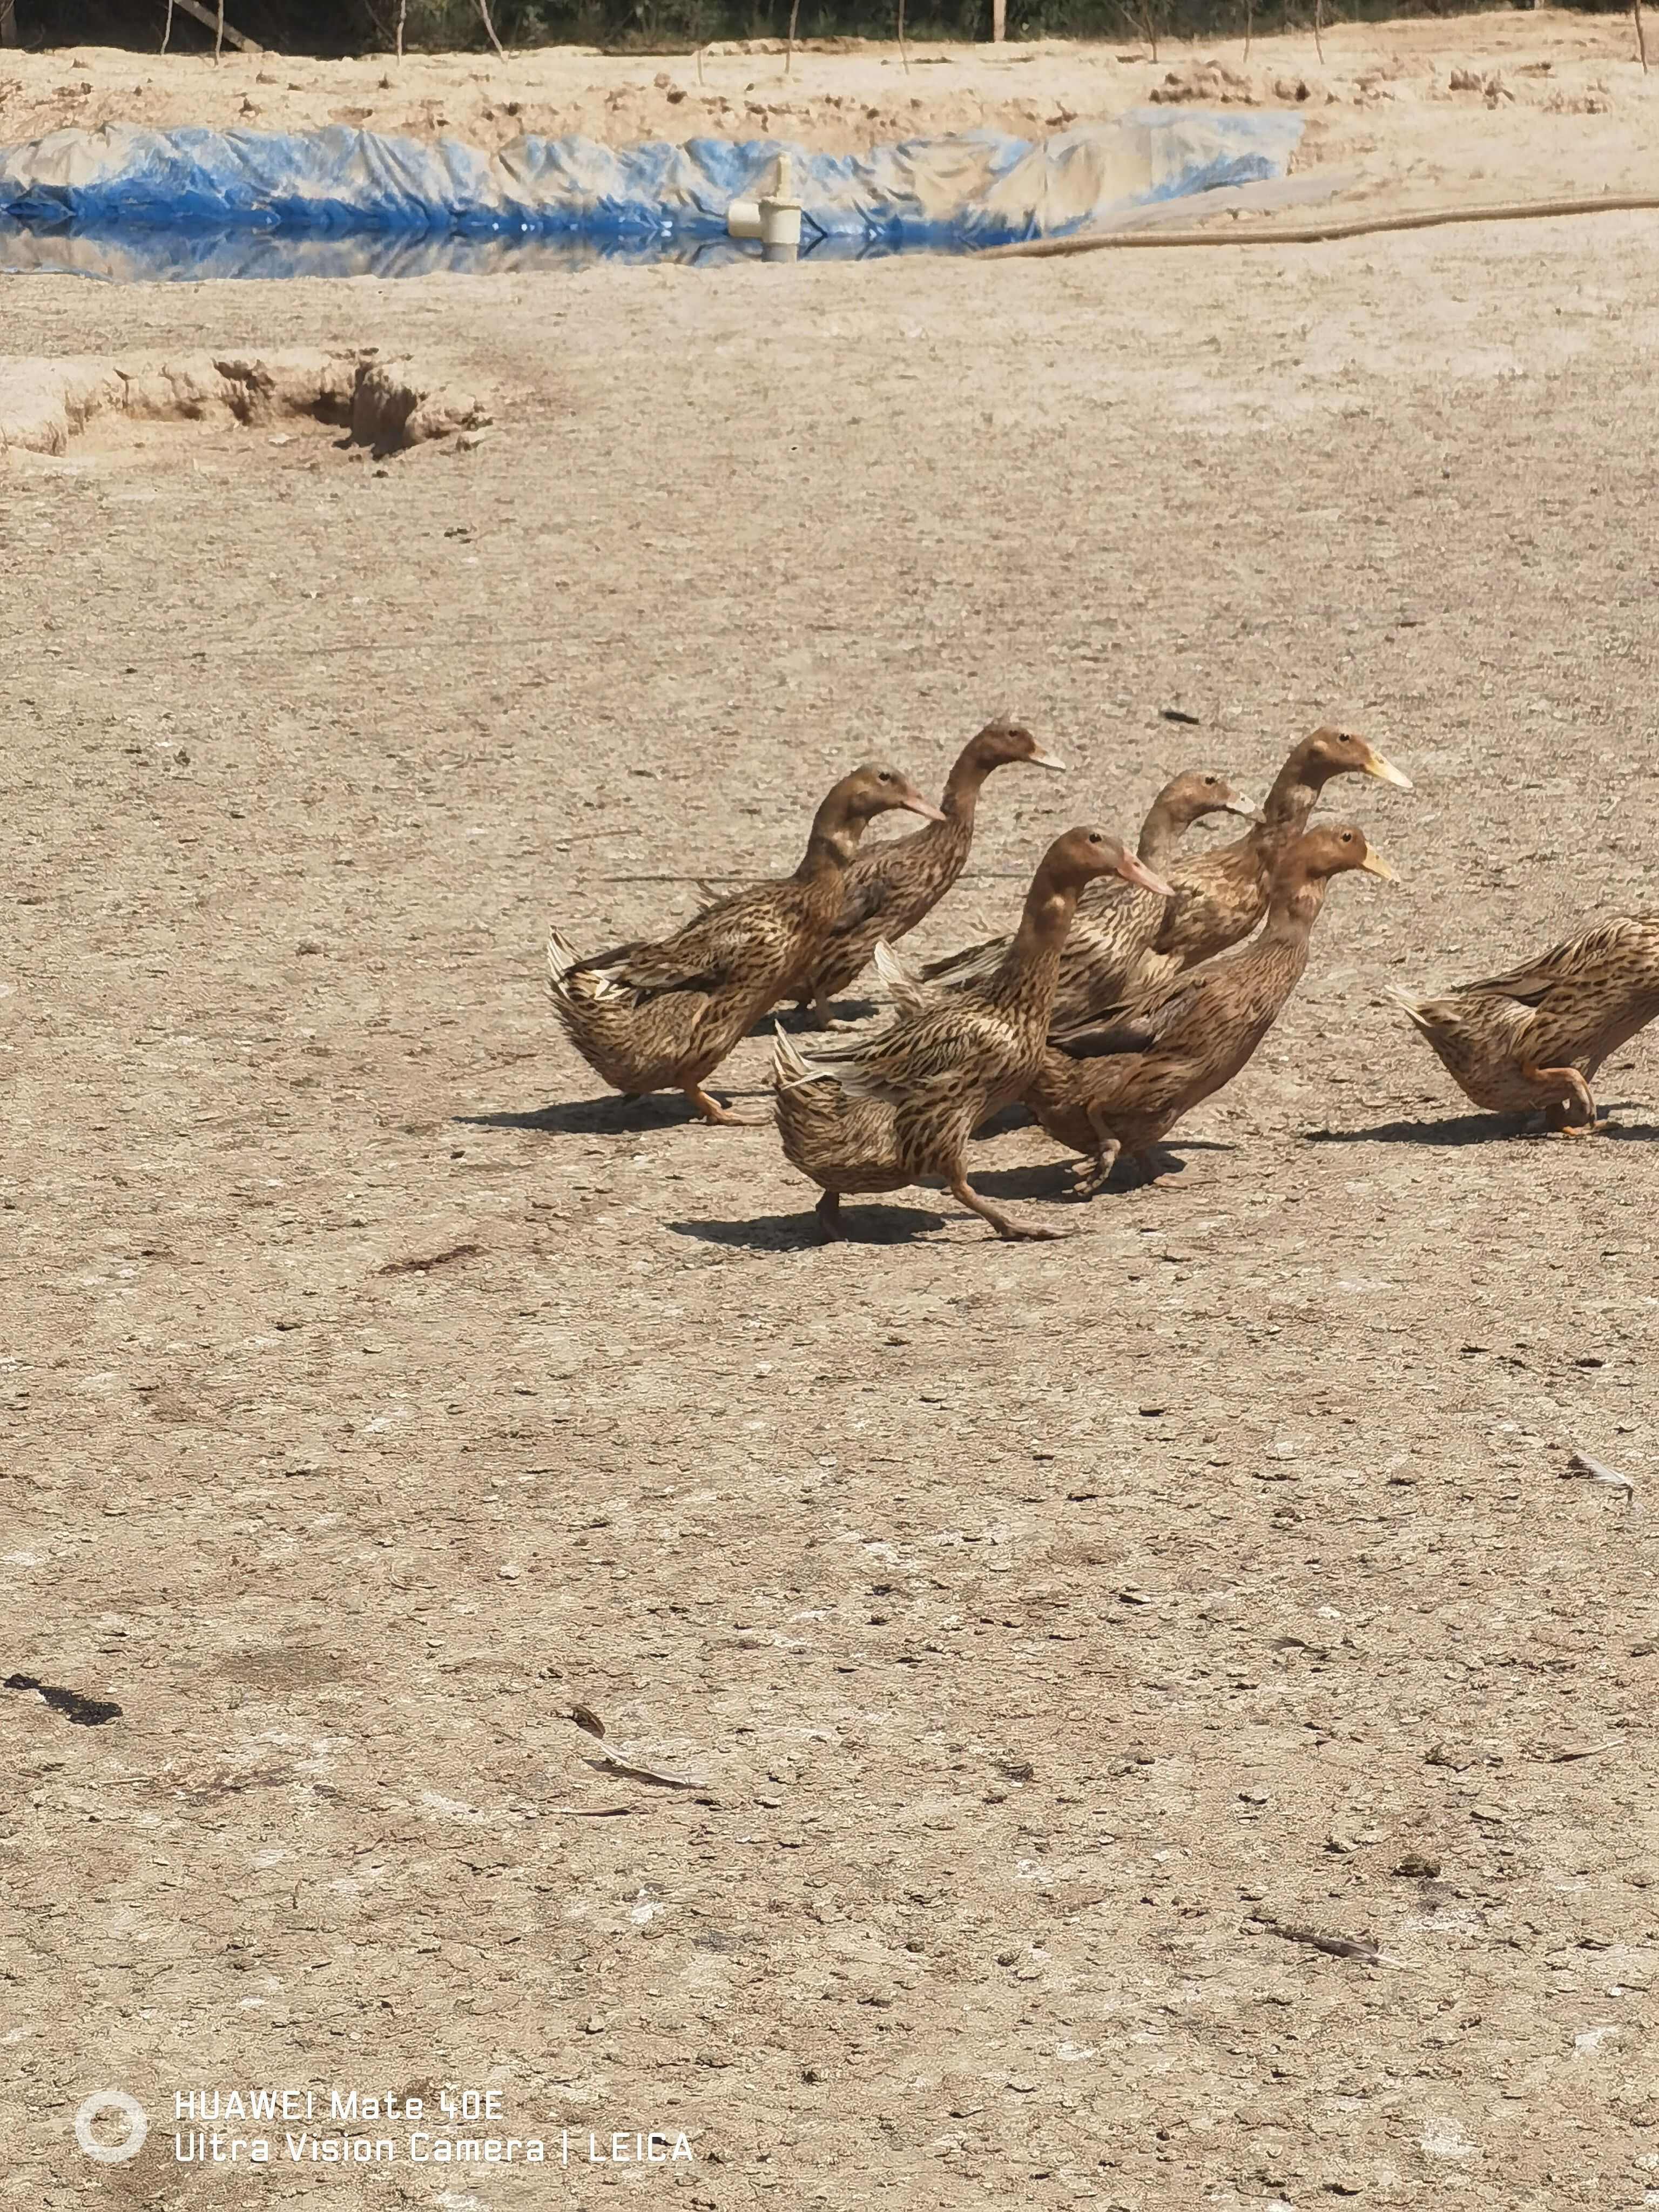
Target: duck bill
x,y
1385,771
1135,871
1375,864
1040,759
1237,804
913,803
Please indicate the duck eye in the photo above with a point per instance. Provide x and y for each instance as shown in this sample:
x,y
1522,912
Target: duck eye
x,y
883,777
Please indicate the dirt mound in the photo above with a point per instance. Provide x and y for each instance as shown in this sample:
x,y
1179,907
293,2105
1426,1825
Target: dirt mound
x,y
1212,83
385,404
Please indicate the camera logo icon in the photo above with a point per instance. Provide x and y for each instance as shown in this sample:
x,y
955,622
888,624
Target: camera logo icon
x,y
129,2108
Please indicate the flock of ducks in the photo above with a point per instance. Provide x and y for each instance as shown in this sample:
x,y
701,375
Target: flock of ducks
x,y
1109,1013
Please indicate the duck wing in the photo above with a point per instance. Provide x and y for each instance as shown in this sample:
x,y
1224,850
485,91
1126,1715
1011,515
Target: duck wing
x,y
1528,986
724,941
866,894
1137,1025
1579,961
966,970
934,1050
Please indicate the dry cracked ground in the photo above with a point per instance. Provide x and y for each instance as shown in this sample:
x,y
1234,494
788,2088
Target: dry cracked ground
x,y
1041,1627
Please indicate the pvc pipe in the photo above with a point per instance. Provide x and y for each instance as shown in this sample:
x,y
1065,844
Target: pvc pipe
x,y
779,222
1042,249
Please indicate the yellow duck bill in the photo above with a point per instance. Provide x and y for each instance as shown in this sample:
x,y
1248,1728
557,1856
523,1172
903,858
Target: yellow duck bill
x,y
1386,772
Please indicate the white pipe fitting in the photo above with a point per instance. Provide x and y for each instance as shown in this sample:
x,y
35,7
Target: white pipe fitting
x,y
775,219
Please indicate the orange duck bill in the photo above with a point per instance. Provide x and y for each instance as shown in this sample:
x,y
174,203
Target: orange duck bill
x,y
913,803
1135,871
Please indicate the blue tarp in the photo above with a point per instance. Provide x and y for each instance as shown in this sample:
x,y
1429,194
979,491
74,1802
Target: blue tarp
x,y
978,188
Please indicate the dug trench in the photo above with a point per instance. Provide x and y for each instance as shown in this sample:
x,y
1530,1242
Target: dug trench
x,y
383,405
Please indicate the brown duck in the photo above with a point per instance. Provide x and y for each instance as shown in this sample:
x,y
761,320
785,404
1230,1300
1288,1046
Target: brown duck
x,y
890,887
1536,1036
1122,1082
1220,895
1116,921
888,1111
652,1017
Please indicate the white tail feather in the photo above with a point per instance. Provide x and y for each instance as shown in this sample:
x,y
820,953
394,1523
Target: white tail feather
x,y
562,957
790,1066
1412,1007
902,984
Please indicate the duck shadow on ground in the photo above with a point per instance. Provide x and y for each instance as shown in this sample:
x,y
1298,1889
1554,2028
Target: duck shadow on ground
x,y
791,1232
1453,1129
800,1021
1053,1179
1013,1117
614,1116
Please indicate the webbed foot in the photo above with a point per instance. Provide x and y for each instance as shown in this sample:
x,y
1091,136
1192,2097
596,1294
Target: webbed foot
x,y
1004,1224
710,1109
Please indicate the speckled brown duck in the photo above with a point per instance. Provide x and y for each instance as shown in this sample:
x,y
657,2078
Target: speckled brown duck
x,y
892,886
1116,921
877,1113
1221,896
1121,1082
1536,1036
660,1016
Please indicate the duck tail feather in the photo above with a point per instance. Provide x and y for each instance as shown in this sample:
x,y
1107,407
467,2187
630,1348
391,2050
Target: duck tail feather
x,y
1413,1009
787,1066
791,1066
562,957
900,982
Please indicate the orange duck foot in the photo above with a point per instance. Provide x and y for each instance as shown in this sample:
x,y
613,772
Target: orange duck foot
x,y
711,1110
1089,1177
1004,1224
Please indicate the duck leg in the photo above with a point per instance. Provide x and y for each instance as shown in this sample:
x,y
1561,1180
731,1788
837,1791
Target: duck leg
x,y
1004,1224
822,1017
711,1109
1092,1175
830,1221
1568,1079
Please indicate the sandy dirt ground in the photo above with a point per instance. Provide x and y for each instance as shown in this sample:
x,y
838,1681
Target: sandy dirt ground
x,y
1037,1623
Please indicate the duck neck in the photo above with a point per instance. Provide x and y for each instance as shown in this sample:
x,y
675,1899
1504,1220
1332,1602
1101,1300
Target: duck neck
x,y
1025,984
1295,908
962,789
1284,817
1291,800
832,845
1160,834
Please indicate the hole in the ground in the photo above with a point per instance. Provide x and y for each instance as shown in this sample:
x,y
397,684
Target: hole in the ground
x,y
85,1712
384,405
